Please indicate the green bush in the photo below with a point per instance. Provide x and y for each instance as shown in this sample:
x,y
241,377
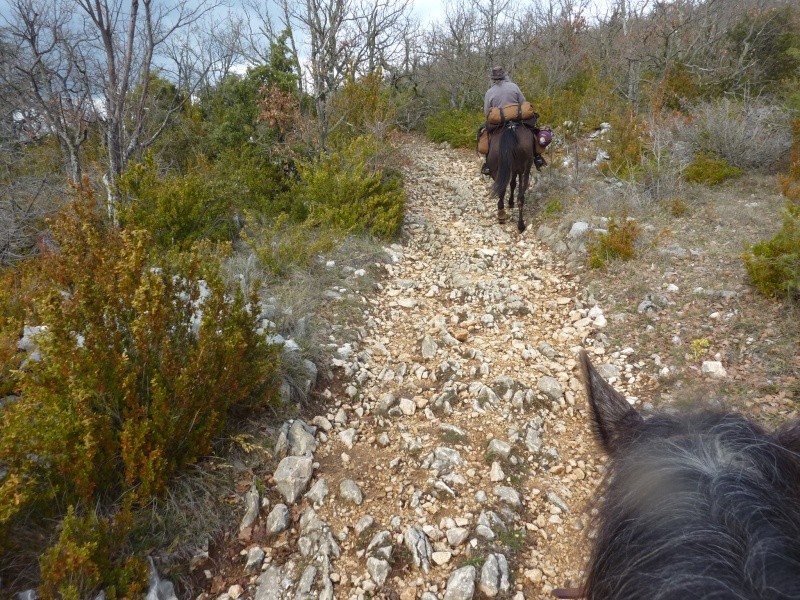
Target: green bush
x,y
89,556
282,245
12,319
134,384
627,147
177,210
552,209
585,100
710,170
345,192
457,127
181,209
619,243
774,265
790,182
362,106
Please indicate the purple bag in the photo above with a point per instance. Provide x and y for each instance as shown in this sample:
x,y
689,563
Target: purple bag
x,y
544,136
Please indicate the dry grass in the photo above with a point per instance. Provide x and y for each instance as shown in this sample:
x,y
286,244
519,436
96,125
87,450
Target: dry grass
x,y
307,303
748,134
699,246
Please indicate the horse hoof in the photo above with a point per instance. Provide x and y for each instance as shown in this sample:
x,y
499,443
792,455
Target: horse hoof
x,y
521,227
501,216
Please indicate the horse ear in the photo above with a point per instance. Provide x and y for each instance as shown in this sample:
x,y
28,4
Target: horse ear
x,y
612,414
789,436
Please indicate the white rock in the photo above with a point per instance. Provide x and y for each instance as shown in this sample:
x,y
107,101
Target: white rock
x,y
348,437
494,575
407,407
349,490
499,448
714,368
461,584
278,519
578,229
550,387
420,548
429,347
496,472
457,536
318,491
378,570
292,476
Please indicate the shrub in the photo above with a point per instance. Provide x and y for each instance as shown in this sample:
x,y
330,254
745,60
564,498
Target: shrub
x,y
677,207
552,209
12,318
457,127
710,170
181,209
141,366
585,100
89,556
774,264
790,183
177,210
283,246
747,134
627,147
342,191
618,243
364,106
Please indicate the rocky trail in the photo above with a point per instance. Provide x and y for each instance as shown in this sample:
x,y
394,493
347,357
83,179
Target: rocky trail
x,y
456,458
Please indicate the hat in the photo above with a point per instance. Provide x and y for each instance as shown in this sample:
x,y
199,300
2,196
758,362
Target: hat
x,y
498,73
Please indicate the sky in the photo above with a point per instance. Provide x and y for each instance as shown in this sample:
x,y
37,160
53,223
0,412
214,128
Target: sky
x,y
428,11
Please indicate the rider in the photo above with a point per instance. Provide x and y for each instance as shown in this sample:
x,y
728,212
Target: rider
x,y
503,92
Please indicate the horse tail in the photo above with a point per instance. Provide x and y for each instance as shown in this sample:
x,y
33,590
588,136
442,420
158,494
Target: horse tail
x,y
508,142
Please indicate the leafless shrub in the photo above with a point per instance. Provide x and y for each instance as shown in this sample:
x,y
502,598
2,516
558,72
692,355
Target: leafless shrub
x,y
22,212
666,158
749,134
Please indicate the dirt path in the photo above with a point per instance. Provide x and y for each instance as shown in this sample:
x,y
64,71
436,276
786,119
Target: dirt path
x,y
459,442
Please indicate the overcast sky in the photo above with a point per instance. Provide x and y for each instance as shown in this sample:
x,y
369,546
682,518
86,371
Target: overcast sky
x,y
428,10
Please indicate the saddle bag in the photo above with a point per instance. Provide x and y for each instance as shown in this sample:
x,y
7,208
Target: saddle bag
x,y
511,112
483,141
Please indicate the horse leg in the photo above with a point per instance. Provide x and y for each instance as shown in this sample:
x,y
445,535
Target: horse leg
x,y
511,195
523,186
501,213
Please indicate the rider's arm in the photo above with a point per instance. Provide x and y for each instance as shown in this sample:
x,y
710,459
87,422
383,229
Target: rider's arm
x,y
487,98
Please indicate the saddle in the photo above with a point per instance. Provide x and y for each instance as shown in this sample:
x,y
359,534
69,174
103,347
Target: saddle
x,y
542,137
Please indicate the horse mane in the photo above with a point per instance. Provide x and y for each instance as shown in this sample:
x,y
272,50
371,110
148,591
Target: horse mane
x,y
703,505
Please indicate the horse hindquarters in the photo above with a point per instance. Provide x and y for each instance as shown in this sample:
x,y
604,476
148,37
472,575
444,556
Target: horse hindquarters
x,y
523,161
508,142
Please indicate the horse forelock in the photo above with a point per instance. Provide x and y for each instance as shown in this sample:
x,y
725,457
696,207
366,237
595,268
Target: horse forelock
x,y
705,505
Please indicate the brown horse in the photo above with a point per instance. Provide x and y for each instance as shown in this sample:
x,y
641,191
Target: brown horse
x,y
510,159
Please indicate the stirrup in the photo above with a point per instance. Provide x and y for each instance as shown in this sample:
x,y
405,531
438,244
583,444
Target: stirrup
x,y
539,161
485,169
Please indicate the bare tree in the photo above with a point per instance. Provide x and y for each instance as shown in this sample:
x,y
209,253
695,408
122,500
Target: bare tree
x,y
47,79
84,60
129,33
455,67
331,39
382,25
